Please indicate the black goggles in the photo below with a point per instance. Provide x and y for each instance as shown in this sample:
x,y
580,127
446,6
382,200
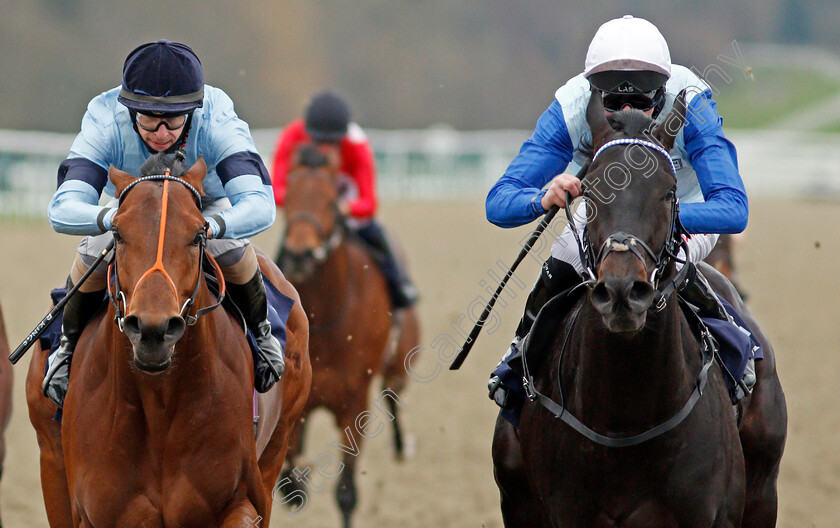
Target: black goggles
x,y
153,123
613,102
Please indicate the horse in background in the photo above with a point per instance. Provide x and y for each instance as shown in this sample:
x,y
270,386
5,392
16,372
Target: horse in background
x,y
649,435
6,382
354,335
722,258
158,425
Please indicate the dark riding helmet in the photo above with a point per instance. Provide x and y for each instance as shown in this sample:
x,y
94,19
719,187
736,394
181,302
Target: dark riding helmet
x,y
162,77
327,117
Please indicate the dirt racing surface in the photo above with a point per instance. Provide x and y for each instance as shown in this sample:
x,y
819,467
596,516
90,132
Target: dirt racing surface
x,y
788,264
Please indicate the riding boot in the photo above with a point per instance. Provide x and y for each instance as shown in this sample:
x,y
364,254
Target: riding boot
x,y
556,277
80,307
700,294
402,291
251,300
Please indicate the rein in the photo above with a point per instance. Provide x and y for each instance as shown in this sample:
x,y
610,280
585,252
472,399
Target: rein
x,y
618,242
117,296
330,240
707,353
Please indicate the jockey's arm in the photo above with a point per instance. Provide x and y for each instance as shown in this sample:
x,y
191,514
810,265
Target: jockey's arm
x,y
248,187
516,198
715,161
288,141
243,174
357,158
74,208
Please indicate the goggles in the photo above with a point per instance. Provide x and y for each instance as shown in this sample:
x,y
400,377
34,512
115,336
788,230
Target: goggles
x,y
613,102
151,123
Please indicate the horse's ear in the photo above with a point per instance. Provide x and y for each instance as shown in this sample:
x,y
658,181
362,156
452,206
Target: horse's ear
x,y
596,119
195,176
120,179
666,132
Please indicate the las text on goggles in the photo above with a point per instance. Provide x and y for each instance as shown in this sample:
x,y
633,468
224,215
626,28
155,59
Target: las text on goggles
x,y
613,102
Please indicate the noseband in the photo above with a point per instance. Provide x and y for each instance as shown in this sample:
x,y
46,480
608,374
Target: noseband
x,y
117,296
330,240
621,241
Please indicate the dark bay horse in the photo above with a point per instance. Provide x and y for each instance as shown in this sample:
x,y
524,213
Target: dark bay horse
x,y
646,435
157,427
6,380
352,334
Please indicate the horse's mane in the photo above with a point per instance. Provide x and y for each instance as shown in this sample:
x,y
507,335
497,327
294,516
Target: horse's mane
x,y
160,162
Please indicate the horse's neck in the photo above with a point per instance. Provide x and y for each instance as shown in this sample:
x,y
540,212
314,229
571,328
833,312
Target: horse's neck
x,y
327,290
646,370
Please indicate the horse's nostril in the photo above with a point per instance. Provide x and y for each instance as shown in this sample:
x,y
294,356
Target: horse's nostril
x,y
641,295
600,295
175,329
131,325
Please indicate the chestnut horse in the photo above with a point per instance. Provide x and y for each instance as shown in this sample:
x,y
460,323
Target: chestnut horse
x,y
157,427
5,390
349,309
629,422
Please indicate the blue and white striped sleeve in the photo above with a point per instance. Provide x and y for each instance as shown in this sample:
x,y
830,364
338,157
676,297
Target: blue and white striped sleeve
x,y
514,200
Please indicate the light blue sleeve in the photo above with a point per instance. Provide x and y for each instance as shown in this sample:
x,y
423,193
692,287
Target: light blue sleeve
x,y
74,207
242,172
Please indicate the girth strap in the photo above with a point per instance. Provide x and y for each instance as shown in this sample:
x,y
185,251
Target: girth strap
x,y
707,348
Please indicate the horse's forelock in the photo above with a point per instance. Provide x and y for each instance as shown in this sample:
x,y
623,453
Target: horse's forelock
x,y
309,156
631,123
159,163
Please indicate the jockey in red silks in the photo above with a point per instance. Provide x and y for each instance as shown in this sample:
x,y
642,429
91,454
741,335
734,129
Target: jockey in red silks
x,y
327,124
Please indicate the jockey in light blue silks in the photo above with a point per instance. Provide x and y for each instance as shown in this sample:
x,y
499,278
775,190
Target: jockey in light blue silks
x,y
163,105
629,63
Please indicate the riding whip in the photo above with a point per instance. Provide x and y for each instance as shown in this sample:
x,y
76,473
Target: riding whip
x,y
45,322
468,343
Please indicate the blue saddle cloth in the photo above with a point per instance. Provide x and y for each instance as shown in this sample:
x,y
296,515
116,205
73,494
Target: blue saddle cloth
x,y
279,308
736,346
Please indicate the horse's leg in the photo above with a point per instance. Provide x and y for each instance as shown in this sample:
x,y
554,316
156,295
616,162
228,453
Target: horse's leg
x,y
345,492
519,505
48,433
764,421
394,376
242,514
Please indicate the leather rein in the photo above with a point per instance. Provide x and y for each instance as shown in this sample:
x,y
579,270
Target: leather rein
x,y
621,241
117,297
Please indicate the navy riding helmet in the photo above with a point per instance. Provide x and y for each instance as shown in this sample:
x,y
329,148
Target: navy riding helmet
x,y
162,78
327,117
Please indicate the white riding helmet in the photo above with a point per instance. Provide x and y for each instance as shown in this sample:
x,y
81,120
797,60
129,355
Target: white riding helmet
x,y
628,55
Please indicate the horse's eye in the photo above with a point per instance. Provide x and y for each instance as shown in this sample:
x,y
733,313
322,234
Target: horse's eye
x,y
117,237
198,238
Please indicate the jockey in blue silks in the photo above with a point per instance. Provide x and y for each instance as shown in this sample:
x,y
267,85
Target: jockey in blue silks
x,y
163,105
628,61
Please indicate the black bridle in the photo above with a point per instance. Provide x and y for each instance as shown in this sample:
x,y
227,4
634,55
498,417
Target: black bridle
x,y
117,296
622,241
329,240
